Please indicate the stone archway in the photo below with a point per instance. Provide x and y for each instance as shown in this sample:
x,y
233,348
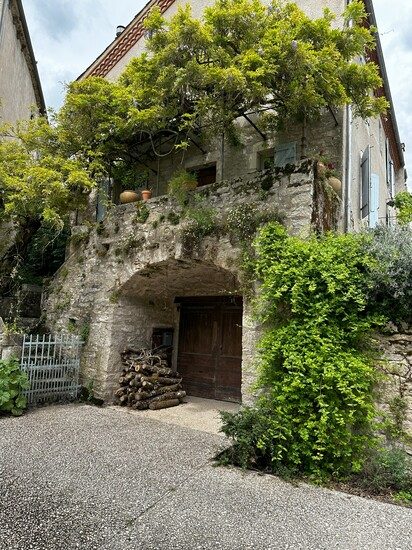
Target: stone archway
x,y
151,300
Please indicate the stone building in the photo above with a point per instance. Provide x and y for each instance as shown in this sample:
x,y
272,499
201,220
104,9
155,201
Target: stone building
x,y
20,88
137,276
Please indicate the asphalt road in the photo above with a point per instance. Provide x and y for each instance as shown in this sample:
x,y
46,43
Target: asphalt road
x,y
75,476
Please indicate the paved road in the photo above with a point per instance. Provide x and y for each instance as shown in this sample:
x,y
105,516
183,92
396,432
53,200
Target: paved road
x,y
76,476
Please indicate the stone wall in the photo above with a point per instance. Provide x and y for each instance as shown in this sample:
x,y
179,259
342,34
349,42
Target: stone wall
x,y
122,275
396,346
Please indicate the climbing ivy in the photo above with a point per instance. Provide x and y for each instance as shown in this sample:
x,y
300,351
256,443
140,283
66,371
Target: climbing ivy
x,y
316,413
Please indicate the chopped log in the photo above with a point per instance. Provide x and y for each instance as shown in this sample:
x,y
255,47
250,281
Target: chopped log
x,y
164,404
167,389
169,381
123,400
162,371
147,385
140,405
171,395
141,395
121,391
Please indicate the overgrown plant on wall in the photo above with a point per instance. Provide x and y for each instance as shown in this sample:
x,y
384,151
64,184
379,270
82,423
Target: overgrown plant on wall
x,y
315,415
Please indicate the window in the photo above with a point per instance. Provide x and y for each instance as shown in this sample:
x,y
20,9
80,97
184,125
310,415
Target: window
x,y
280,156
205,175
390,172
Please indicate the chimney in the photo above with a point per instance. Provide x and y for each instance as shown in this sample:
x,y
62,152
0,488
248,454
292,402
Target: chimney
x,y
119,30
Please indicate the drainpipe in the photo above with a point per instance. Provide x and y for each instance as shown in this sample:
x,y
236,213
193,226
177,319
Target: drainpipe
x,y
348,170
348,163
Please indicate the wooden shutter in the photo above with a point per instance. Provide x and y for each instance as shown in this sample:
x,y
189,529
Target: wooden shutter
x,y
366,178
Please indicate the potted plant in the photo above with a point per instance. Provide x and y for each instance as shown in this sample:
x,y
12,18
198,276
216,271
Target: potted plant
x,y
181,182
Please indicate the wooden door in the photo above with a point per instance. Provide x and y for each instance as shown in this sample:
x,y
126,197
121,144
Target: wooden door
x,y
210,348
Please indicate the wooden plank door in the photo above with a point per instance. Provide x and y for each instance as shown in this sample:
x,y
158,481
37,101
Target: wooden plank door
x,y
210,349
228,374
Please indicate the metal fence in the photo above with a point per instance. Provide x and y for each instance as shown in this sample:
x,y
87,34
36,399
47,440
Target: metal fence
x,y
52,364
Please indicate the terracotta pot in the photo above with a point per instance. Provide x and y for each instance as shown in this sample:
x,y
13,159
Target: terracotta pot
x,y
335,184
128,196
321,169
146,194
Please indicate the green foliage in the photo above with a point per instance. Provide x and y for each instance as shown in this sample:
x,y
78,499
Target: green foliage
x,y
12,382
387,469
142,213
201,222
173,218
243,221
394,424
316,414
244,55
180,184
85,332
37,179
390,275
403,203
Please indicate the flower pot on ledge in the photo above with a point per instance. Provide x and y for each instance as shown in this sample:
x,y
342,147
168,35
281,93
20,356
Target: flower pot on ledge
x,y
336,184
146,194
128,196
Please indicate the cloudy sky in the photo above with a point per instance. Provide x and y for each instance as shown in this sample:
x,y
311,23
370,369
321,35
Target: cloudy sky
x,y
68,35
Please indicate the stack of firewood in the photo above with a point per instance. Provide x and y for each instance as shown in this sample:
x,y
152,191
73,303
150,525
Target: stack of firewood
x,y
147,382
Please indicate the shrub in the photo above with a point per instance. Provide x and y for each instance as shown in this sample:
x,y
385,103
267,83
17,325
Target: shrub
x,y
12,382
201,223
316,413
387,469
390,274
180,183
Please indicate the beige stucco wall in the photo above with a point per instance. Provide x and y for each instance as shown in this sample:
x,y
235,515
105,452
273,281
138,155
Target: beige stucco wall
x,y
370,132
16,88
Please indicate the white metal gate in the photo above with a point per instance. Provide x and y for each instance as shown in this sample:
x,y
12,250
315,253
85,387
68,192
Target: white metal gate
x,y
52,364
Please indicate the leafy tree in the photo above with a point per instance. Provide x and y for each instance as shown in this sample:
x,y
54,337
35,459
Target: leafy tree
x,y
403,203
198,77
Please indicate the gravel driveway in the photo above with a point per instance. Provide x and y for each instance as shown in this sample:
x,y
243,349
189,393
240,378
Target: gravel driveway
x,y
75,476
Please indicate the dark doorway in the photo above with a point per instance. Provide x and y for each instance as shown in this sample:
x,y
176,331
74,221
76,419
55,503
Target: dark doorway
x,y
210,347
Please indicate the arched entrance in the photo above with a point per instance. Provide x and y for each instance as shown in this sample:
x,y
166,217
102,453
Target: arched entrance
x,y
195,307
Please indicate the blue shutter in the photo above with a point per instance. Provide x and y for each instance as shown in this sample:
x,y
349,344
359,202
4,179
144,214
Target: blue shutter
x,y
374,201
366,171
285,153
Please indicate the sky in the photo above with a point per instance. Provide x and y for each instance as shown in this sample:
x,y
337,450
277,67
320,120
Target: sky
x,y
68,35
